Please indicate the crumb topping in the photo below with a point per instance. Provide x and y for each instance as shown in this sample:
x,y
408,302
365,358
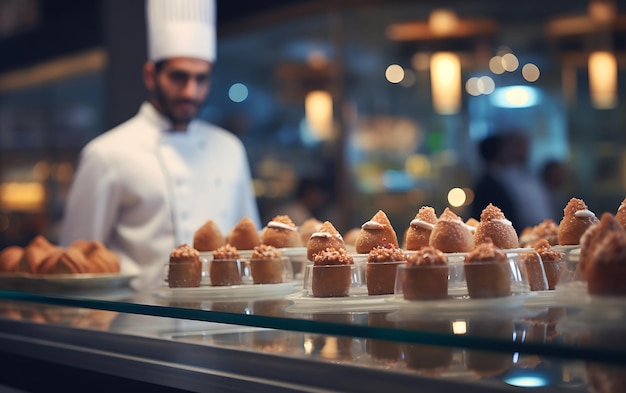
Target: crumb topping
x,y
546,228
332,256
386,253
265,251
485,252
491,212
573,206
426,256
226,252
542,247
184,251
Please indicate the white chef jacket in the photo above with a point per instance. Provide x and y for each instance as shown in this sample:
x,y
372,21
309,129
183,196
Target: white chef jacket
x,y
142,191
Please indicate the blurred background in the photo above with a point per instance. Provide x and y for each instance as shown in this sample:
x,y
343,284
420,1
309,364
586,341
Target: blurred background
x,y
381,104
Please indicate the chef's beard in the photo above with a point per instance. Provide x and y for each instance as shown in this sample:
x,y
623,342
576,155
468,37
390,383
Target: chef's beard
x,y
168,107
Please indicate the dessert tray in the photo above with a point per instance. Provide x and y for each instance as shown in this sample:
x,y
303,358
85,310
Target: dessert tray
x,y
461,303
64,282
229,292
574,294
356,301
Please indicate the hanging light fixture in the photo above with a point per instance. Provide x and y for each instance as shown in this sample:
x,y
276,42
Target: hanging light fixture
x,y
318,107
603,79
445,77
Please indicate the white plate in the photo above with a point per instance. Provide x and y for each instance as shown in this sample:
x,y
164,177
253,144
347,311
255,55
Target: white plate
x,y
362,302
65,282
461,304
250,291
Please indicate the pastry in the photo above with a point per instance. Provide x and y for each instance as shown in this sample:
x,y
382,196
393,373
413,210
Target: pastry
x,y
101,260
376,232
487,272
451,234
309,227
281,232
591,239
267,265
332,273
494,225
472,223
551,262
71,260
225,268
244,235
620,216
547,230
185,267
606,267
420,228
10,258
527,237
327,236
426,275
380,271
34,254
349,238
208,237
576,219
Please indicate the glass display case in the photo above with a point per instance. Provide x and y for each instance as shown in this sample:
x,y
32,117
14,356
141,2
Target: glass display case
x,y
255,338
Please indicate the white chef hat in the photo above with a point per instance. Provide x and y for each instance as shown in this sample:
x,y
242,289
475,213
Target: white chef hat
x,y
181,28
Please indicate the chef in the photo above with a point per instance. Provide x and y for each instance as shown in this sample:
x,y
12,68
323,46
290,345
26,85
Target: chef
x,y
147,185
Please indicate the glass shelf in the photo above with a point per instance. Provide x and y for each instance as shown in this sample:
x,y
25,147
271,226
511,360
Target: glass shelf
x,y
552,331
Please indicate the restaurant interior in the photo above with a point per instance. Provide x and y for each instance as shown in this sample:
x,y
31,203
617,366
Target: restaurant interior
x,y
344,91
382,104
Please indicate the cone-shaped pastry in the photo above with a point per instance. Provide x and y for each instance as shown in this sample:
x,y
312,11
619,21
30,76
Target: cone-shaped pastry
x,y
450,234
472,223
309,227
576,219
327,236
208,237
420,228
606,267
244,236
620,216
35,252
591,238
495,226
376,232
281,232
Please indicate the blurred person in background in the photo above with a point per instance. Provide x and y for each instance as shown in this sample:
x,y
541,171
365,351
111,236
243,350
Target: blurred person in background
x,y
144,187
554,177
508,183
